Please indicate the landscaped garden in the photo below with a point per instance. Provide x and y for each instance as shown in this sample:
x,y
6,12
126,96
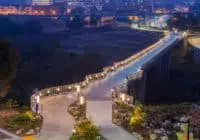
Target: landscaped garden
x,y
161,122
84,129
19,120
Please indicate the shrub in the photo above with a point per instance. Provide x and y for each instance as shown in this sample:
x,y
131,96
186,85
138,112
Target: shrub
x,y
85,131
9,104
24,109
138,116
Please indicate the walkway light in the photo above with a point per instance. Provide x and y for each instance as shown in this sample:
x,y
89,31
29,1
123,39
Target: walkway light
x,y
48,91
74,131
83,83
78,88
69,87
58,89
123,96
82,100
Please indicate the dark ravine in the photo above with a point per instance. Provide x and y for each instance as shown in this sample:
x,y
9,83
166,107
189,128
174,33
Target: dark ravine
x,y
182,83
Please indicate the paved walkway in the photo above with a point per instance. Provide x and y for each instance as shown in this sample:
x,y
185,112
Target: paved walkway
x,y
58,123
100,112
5,135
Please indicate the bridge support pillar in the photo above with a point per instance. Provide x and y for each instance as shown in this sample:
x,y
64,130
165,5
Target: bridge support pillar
x,y
142,92
165,62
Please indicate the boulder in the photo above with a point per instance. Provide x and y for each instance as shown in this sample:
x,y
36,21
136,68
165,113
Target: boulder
x,y
158,131
164,138
167,123
184,119
153,136
30,132
115,111
18,132
37,129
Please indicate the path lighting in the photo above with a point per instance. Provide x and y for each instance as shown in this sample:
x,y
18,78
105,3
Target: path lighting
x,y
123,96
78,88
69,87
74,131
82,100
48,91
84,84
58,89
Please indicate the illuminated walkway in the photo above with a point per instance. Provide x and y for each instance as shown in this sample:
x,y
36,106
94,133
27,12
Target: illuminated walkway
x,y
58,124
99,104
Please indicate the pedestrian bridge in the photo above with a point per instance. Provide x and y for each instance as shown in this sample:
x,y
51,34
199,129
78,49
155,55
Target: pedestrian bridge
x,y
96,87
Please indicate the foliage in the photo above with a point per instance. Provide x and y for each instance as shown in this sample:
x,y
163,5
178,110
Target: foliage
x,y
9,104
85,131
24,109
23,121
138,115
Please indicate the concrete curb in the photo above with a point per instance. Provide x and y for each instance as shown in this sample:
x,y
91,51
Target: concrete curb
x,y
12,136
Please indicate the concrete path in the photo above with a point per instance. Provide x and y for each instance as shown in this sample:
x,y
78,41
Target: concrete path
x,y
100,112
5,135
58,123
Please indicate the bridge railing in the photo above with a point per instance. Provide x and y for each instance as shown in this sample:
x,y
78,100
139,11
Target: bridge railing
x,y
92,77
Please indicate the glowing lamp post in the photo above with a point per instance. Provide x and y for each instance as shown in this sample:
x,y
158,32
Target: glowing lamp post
x,y
123,96
82,100
78,90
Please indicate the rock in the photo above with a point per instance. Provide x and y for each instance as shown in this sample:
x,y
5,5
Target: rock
x,y
30,132
184,119
177,125
115,111
37,129
158,131
166,123
168,132
18,132
164,138
139,137
163,130
153,136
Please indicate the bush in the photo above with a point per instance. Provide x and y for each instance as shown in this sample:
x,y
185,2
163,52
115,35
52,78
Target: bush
x,y
138,116
24,109
10,104
85,131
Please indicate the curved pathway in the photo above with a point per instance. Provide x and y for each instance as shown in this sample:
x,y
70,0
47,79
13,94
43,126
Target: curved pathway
x,y
58,123
99,104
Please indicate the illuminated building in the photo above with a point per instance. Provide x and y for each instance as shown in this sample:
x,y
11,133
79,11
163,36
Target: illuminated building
x,y
42,2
